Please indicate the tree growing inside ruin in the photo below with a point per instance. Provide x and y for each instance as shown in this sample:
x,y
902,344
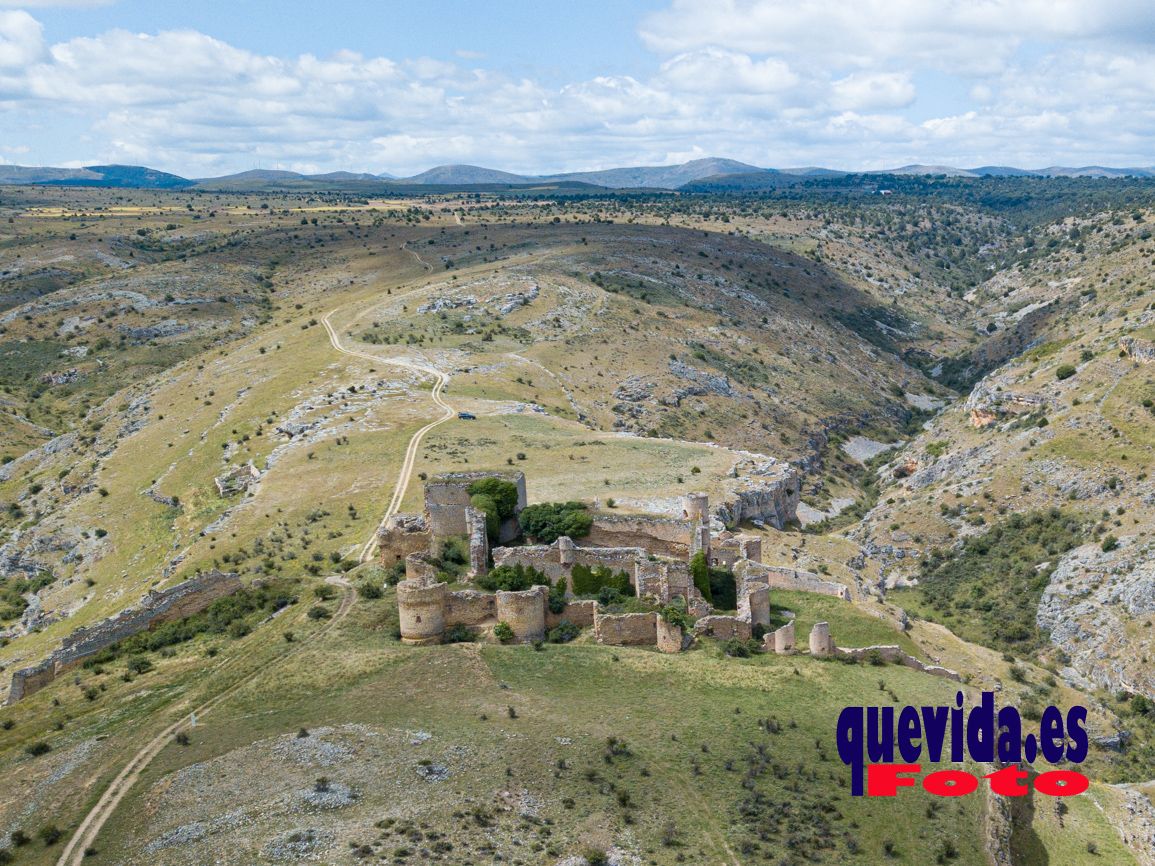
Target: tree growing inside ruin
x,y
496,498
548,521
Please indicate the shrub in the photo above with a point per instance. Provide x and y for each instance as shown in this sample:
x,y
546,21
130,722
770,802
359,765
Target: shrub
x,y
458,634
139,665
1065,371
723,589
609,595
988,590
369,590
395,573
563,632
590,581
488,506
700,571
503,492
503,631
318,612
512,578
38,748
549,521
497,498
50,834
557,599
737,648
1109,544
675,613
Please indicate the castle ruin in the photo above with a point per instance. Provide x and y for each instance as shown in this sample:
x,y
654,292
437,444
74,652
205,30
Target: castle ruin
x,y
653,552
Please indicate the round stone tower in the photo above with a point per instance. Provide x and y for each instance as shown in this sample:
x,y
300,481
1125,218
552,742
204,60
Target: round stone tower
x,y
696,506
421,609
524,612
821,643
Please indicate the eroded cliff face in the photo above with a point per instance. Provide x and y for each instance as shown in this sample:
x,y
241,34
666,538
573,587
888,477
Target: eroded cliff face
x,y
1098,608
766,491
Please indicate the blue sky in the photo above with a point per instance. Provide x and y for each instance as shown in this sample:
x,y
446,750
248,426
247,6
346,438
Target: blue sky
x,y
210,87
553,41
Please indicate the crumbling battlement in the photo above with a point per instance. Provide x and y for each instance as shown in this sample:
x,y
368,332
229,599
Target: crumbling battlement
x,y
664,536
895,655
780,641
421,610
723,627
782,577
821,641
726,549
176,602
402,535
626,629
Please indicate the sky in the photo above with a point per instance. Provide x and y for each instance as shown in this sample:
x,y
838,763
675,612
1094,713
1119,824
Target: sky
x,y
210,87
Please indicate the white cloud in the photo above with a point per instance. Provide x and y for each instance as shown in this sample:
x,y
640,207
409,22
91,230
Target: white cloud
x,y
864,90
773,83
964,36
21,39
717,71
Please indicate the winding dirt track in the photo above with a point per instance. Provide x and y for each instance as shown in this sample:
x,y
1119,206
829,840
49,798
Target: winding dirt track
x,y
85,835
440,381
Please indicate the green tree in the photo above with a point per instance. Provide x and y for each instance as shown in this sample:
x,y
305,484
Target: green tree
x,y
548,521
700,571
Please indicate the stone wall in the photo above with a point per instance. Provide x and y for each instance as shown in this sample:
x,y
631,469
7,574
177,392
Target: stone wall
x,y
524,612
580,613
782,577
626,629
895,655
669,637
418,568
177,602
754,604
664,536
666,579
557,560
402,535
780,641
723,627
470,607
26,681
478,542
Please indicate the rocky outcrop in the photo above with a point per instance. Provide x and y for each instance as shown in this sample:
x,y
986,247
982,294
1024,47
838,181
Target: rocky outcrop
x,y
1093,608
769,492
1135,822
1138,350
704,383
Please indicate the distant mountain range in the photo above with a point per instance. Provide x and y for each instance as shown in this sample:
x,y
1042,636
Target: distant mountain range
x,y
696,175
